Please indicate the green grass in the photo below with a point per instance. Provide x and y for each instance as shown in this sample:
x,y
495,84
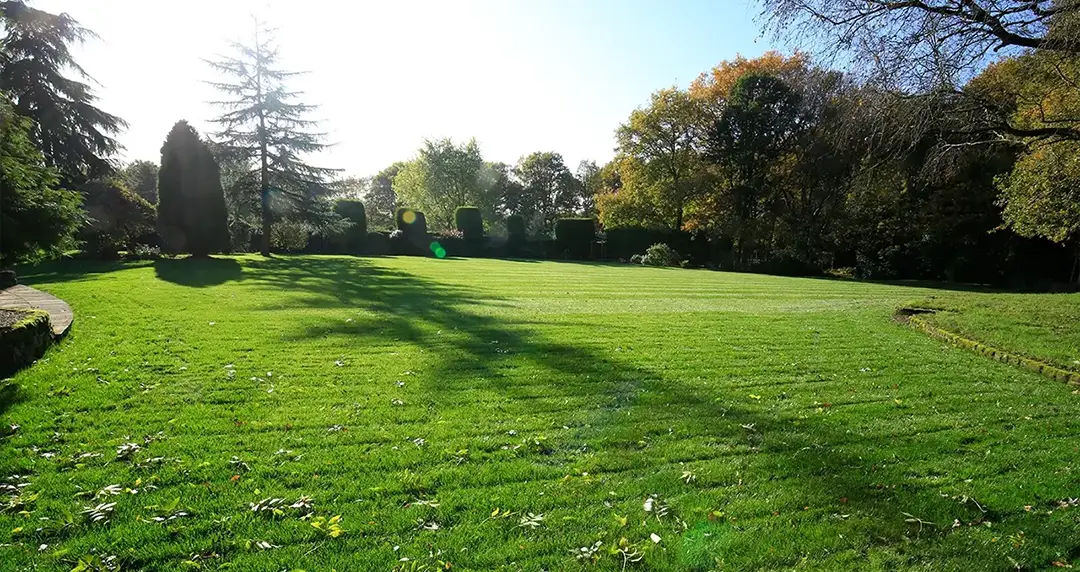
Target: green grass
x,y
781,423
1045,327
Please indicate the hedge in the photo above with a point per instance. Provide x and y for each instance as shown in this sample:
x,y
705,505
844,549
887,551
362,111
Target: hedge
x,y
470,222
24,341
377,243
575,236
352,240
414,240
622,243
515,228
416,228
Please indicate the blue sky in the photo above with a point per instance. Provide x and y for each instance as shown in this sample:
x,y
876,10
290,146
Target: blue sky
x,y
519,75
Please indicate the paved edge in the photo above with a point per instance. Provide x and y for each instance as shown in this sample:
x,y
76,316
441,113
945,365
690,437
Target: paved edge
x,y
24,297
911,317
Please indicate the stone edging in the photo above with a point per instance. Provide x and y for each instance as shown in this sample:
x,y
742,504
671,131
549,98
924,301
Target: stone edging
x,y
25,341
911,317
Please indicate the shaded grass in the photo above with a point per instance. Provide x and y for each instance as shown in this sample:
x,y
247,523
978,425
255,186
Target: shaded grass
x,y
784,423
1045,327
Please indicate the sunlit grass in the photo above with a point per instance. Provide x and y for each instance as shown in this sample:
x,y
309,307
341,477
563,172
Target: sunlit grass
x,y
522,415
1040,326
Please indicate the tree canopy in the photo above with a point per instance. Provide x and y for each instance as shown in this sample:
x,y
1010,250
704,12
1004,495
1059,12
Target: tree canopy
x,y
268,132
38,218
75,137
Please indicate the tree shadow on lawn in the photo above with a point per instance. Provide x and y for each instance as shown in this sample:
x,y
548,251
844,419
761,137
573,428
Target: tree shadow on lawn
x,y
198,272
881,484
73,270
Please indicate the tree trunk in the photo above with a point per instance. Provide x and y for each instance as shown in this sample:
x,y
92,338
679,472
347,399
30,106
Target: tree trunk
x,y
267,219
1074,275
264,174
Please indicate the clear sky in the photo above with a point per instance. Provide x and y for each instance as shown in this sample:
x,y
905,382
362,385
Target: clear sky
x,y
519,75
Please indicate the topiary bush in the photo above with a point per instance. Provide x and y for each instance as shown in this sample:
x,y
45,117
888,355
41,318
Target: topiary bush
x,y
470,222
575,236
516,235
410,221
191,212
414,236
352,239
661,254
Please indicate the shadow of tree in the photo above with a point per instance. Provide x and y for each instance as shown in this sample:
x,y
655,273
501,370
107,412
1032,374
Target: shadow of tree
x,y
198,272
9,395
72,270
858,488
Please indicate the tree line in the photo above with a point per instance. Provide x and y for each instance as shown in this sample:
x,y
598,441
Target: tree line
x,y
945,145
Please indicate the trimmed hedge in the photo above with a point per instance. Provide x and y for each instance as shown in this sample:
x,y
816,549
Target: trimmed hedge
x,y
414,236
418,227
622,243
25,341
575,236
470,222
352,240
515,228
377,243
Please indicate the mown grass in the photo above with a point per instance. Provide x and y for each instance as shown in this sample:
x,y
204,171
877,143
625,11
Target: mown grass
x,y
777,423
1045,327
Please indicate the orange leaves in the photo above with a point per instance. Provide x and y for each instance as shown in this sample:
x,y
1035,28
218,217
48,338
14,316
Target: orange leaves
x,y
715,84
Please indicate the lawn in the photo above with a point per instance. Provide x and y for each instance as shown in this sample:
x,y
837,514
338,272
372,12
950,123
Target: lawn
x,y
481,414
1045,327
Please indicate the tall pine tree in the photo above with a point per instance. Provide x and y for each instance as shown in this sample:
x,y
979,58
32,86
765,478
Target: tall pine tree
x,y
263,123
191,204
75,136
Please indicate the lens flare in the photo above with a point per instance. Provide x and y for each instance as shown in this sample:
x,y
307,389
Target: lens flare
x,y
408,217
437,250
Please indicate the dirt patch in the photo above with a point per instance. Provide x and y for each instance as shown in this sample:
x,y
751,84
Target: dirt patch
x,y
903,315
8,318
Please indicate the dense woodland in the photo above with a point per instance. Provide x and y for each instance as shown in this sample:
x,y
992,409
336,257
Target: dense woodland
x,y
936,140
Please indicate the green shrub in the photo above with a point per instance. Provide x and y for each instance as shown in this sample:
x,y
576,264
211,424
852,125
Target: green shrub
x,y
470,222
288,236
144,252
40,220
575,236
352,239
118,218
661,254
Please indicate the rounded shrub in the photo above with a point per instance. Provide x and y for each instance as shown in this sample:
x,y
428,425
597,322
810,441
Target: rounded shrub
x,y
661,254
470,222
352,239
575,236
